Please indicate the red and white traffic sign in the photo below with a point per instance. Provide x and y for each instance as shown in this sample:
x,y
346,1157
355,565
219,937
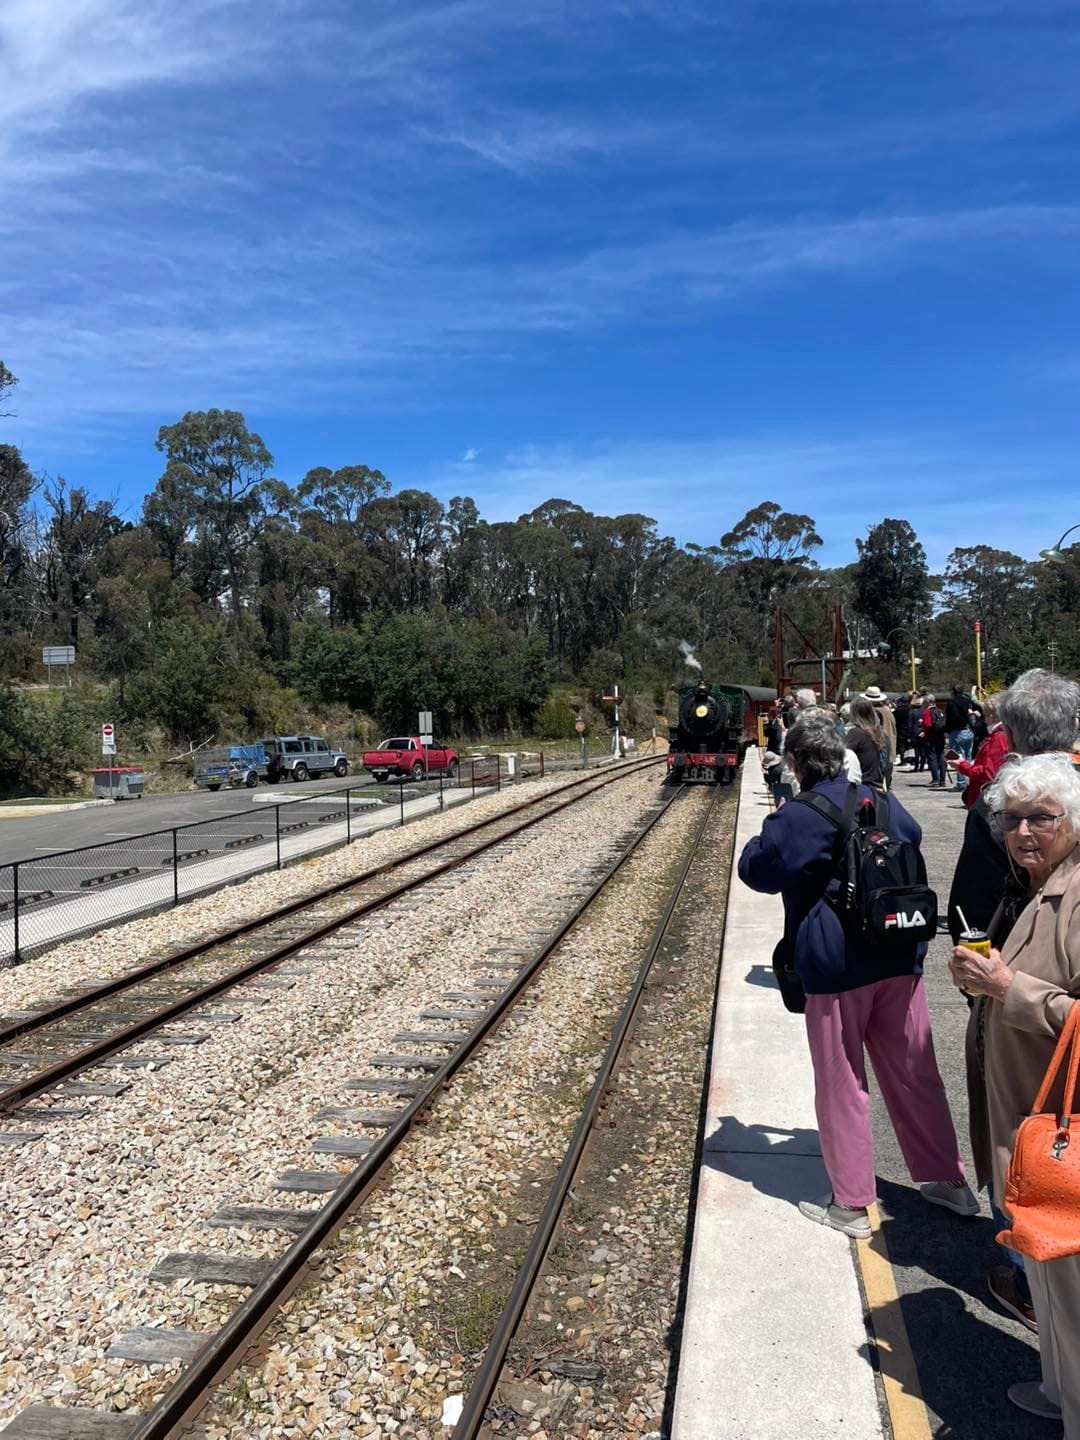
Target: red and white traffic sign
x,y
108,731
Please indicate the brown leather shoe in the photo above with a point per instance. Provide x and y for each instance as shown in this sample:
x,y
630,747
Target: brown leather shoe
x,y
1002,1285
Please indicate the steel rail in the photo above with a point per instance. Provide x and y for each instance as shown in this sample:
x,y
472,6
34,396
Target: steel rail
x,y
71,1005
487,1377
220,1355
13,1096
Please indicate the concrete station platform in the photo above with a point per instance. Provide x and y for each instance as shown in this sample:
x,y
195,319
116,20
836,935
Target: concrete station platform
x,y
791,1331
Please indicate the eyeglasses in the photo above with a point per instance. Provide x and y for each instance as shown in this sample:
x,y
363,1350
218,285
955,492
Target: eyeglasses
x,y
1039,824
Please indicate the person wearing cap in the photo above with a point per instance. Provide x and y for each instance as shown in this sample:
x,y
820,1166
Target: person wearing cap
x,y
887,721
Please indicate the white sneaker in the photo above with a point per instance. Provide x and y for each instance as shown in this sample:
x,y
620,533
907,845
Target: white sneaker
x,y
825,1211
957,1198
1029,1395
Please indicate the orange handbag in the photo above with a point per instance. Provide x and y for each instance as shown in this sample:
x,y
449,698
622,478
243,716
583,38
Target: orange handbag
x,y
1042,1187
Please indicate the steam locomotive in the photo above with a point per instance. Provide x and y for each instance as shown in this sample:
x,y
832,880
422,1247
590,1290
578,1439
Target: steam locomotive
x,y
715,725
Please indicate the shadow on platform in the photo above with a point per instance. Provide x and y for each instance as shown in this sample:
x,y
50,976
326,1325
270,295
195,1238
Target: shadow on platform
x,y
966,1353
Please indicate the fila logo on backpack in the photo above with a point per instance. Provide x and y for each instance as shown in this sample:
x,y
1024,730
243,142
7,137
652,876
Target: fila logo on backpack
x,y
903,921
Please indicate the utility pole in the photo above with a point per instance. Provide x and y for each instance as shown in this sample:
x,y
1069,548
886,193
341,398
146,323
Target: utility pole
x,y
1052,647
617,749
978,658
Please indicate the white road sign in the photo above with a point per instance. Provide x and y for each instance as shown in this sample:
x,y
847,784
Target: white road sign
x,y
423,723
58,655
108,738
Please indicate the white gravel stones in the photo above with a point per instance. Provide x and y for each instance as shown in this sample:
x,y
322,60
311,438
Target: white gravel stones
x,y
113,951
408,1294
88,1212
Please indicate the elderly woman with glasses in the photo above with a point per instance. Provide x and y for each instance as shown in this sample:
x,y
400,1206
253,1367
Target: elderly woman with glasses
x,y
1025,992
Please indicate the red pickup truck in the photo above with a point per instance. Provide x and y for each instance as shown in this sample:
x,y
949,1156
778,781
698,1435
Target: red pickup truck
x,y
405,755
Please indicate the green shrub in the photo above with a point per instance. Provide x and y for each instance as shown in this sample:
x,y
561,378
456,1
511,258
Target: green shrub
x,y
45,741
555,720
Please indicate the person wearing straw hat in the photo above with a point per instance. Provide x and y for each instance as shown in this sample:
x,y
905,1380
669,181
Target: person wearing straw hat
x,y
1025,992
887,721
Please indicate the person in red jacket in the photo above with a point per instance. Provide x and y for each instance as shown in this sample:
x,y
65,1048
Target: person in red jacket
x,y
992,752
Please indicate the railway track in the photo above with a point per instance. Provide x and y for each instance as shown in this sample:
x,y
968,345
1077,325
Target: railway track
x,y
50,1046
213,1357
474,1412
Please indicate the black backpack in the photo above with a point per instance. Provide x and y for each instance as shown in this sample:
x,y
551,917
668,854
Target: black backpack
x,y
938,723
882,897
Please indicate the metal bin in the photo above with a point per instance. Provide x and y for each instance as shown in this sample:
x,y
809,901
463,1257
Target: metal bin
x,y
120,782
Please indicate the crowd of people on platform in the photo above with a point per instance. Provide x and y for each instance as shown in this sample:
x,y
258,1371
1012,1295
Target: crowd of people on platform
x,y
1015,899
916,730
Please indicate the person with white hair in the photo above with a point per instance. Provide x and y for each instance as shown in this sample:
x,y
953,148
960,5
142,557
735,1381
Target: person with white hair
x,y
1026,990
805,699
1039,711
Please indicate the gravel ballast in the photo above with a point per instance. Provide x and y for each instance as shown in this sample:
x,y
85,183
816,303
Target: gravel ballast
x,y
110,952
91,1209
406,1296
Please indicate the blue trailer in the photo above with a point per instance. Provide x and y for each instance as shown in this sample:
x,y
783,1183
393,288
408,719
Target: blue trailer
x,y
231,765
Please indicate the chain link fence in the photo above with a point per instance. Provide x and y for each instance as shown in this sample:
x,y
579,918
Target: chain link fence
x,y
56,897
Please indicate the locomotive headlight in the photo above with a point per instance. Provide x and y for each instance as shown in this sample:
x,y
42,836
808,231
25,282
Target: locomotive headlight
x,y
701,711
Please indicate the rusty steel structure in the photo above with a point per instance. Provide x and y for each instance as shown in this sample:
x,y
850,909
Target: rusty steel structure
x,y
816,660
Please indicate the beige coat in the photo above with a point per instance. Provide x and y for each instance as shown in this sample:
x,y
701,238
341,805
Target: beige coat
x,y
1043,952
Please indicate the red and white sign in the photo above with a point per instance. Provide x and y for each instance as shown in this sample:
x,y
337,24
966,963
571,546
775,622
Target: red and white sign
x,y
108,731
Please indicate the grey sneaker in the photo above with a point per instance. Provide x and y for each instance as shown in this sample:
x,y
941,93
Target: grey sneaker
x,y
825,1211
1029,1395
957,1198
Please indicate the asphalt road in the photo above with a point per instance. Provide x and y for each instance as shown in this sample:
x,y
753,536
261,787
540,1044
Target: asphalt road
x,y
967,1350
26,839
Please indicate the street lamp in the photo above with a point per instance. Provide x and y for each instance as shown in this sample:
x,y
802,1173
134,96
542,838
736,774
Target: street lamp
x,y
1055,552
903,630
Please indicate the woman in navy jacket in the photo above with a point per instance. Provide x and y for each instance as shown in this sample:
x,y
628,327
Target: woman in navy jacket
x,y
856,1001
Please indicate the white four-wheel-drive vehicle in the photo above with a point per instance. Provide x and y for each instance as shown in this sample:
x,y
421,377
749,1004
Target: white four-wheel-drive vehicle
x,y
300,757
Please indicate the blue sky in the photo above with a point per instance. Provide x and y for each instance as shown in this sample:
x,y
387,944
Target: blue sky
x,y
671,256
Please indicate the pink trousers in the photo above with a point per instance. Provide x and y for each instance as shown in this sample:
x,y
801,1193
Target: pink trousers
x,y
889,1019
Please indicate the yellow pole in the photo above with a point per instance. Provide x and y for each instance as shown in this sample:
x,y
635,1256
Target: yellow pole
x,y
912,657
978,658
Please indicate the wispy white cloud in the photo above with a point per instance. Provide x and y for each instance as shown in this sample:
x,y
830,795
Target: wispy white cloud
x,y
846,482
261,202
470,455
330,312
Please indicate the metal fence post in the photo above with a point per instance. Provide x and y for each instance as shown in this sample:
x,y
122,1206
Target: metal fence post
x,y
348,817
175,870
472,766
440,790
541,764
15,902
401,797
498,771
277,831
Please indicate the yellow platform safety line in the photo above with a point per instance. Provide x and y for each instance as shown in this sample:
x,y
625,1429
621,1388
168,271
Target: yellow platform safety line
x,y
900,1377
